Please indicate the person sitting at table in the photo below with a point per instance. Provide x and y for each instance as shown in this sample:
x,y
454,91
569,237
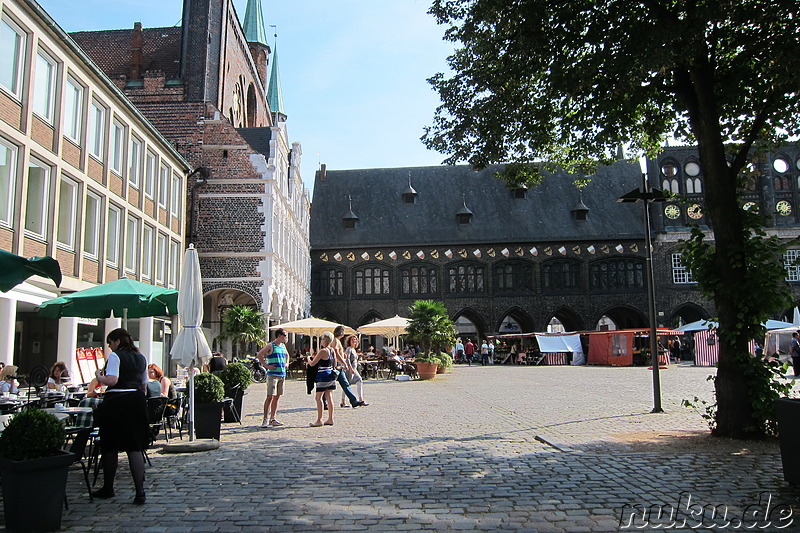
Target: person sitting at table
x,y
94,389
59,376
159,384
9,382
217,363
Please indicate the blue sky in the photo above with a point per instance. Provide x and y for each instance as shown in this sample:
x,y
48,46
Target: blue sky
x,y
353,71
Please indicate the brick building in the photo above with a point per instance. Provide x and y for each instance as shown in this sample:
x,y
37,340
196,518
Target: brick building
x,y
204,85
520,260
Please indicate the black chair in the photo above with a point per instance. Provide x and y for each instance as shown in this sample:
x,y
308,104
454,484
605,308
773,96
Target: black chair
x,y
229,404
80,439
173,414
155,417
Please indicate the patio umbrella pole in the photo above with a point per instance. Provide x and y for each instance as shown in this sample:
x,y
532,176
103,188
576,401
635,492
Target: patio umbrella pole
x,y
191,402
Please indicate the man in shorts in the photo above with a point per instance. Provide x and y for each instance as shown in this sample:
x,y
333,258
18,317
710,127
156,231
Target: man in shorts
x,y
274,356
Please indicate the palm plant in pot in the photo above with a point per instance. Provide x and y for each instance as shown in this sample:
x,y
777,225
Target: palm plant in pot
x,y
243,325
33,466
430,327
236,377
209,392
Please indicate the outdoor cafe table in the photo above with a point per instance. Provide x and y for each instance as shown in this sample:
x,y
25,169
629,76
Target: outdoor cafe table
x,y
68,412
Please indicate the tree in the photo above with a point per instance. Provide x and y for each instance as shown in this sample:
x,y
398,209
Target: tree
x,y
243,325
430,326
569,82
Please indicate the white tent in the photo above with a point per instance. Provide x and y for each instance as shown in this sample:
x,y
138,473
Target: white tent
x,y
560,343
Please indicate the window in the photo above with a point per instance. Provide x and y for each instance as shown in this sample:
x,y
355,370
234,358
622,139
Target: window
x,y
44,85
513,276
174,262
560,276
97,128
680,274
328,282
617,274
163,186
12,42
37,198
135,162
91,225
790,262
147,251
176,195
161,258
132,244
151,163
372,281
465,278
419,280
112,235
67,202
8,179
73,110
117,146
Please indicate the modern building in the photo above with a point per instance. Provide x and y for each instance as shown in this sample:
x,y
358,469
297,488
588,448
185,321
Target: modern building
x,y
84,178
548,258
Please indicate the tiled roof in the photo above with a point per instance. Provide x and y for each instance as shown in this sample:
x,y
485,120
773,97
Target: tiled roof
x,y
111,50
257,138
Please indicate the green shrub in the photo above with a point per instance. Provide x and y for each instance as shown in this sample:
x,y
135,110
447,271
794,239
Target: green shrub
x,y
236,374
427,357
445,360
208,388
31,434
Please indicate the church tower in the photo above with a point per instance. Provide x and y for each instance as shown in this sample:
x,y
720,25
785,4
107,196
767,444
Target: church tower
x,y
256,35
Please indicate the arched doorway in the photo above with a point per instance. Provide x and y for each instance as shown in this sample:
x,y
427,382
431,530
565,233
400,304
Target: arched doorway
x,y
215,304
566,319
621,318
515,321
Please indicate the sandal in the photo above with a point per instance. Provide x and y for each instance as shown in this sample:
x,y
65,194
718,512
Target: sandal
x,y
342,405
315,424
328,423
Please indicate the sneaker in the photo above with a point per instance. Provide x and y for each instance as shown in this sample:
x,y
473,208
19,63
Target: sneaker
x,y
265,423
275,423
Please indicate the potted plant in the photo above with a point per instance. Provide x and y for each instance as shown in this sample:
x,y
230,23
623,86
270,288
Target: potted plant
x,y
243,325
430,327
33,466
445,362
236,377
209,392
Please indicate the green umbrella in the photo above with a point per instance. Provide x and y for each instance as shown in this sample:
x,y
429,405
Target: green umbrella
x,y
125,297
15,269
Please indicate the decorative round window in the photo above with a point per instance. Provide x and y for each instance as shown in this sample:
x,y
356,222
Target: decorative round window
x,y
695,211
692,169
750,206
783,208
780,165
672,211
669,170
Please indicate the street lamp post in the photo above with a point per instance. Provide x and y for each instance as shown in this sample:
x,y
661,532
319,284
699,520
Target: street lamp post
x,y
648,195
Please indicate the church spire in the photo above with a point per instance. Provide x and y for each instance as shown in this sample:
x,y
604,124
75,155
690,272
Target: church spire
x,y
274,91
253,24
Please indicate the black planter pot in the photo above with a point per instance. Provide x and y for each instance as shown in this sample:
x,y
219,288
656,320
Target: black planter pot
x,y
207,420
33,492
788,415
230,415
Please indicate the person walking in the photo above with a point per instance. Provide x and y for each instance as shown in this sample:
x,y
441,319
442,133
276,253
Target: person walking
x,y
325,380
354,378
794,352
485,353
469,351
122,417
274,356
341,361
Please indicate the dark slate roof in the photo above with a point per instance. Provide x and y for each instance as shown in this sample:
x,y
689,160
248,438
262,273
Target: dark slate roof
x,y
111,50
545,215
257,138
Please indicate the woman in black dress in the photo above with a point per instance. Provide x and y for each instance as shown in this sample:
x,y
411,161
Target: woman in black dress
x,y
122,417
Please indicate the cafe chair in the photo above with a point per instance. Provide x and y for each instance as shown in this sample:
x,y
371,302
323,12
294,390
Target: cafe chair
x,y
174,419
155,417
78,447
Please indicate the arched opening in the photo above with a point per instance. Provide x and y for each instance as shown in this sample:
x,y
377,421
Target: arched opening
x,y
469,325
686,314
621,318
515,321
567,320
375,341
251,107
215,304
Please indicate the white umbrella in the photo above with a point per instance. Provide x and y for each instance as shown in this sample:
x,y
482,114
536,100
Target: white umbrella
x,y
190,346
311,326
391,327
796,317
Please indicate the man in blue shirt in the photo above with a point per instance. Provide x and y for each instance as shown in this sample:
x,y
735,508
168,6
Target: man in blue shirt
x,y
274,356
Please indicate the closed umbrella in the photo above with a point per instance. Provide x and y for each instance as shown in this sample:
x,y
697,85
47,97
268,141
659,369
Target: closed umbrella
x,y
15,269
190,346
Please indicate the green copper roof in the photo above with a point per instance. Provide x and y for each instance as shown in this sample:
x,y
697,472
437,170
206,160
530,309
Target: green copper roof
x,y
274,92
253,25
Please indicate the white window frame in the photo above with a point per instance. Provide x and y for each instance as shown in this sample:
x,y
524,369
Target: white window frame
x,y
97,129
176,195
147,251
113,220
164,173
791,262
13,61
135,162
117,156
174,262
131,244
67,213
680,274
8,182
73,109
44,86
150,169
91,224
37,199
161,258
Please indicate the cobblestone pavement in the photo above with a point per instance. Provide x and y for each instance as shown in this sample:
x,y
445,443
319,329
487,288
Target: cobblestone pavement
x,y
537,449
